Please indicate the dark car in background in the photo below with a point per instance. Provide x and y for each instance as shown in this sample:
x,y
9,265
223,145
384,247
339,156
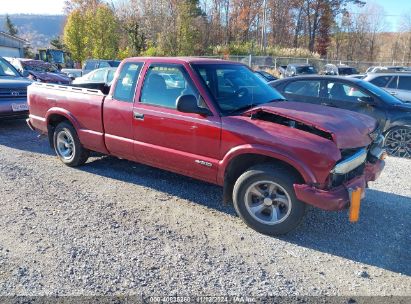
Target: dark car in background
x,y
13,92
393,116
39,70
94,64
265,75
397,84
299,69
339,69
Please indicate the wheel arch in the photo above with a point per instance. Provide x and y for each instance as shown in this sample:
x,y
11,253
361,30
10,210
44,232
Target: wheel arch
x,y
236,164
56,116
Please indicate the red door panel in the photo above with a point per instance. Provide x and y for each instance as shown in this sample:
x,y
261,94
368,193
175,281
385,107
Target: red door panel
x,y
184,143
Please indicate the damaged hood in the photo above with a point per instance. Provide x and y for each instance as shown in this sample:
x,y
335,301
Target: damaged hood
x,y
347,129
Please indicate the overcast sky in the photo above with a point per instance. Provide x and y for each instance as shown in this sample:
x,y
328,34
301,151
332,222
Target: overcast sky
x,y
393,8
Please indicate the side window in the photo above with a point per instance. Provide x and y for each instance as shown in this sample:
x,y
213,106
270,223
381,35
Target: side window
x,y
393,83
163,84
304,88
404,83
380,81
127,81
345,92
103,64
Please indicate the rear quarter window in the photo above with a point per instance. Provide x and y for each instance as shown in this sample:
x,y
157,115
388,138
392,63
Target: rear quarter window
x,y
127,81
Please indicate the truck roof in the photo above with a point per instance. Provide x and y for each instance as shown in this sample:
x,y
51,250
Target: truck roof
x,y
184,60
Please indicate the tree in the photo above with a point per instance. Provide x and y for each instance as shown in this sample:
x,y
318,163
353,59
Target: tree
x,y
323,39
75,35
83,5
188,34
58,43
102,32
10,27
133,38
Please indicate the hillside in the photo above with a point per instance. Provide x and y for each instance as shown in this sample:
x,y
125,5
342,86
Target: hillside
x,y
37,29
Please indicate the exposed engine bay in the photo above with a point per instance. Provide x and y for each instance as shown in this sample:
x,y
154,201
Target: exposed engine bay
x,y
278,119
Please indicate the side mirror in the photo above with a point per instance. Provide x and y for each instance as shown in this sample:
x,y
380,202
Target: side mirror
x,y
188,104
71,76
25,73
366,100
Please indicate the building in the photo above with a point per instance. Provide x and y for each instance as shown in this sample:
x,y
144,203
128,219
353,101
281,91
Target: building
x,y
11,46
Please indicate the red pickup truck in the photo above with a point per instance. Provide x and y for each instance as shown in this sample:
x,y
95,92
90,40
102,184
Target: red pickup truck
x,y
218,122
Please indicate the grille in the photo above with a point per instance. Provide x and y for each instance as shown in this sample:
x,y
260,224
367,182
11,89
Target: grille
x,y
13,93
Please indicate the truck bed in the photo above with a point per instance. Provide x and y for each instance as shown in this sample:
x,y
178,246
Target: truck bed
x,y
82,105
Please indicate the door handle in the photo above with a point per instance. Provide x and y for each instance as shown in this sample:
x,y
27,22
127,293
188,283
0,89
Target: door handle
x,y
138,116
393,93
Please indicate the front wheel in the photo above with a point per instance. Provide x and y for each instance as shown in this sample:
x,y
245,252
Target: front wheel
x,y
68,147
264,198
398,142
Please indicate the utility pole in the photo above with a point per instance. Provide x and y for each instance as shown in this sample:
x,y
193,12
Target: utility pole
x,y
264,28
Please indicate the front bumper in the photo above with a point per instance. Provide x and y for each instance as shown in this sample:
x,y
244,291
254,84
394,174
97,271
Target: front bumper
x,y
6,108
338,198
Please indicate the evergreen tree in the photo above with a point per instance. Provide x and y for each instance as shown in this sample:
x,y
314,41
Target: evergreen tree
x,y
10,27
188,34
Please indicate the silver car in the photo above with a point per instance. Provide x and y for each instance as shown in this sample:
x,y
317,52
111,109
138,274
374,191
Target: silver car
x,y
397,84
103,75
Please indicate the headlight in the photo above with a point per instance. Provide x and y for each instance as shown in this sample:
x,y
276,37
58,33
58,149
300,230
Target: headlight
x,y
377,147
351,162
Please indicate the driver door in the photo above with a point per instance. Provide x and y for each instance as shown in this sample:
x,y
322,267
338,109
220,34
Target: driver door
x,y
346,96
186,143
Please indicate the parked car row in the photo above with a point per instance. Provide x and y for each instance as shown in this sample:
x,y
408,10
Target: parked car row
x,y
394,79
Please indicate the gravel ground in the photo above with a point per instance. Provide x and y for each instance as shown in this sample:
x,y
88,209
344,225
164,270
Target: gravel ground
x,y
114,227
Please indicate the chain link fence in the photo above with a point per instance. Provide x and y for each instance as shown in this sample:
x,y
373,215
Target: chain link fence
x,y
268,62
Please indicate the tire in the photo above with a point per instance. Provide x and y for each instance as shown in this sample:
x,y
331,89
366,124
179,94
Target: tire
x,y
397,141
68,147
276,185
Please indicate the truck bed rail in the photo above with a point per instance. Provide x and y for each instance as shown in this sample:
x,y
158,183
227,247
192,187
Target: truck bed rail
x,y
69,88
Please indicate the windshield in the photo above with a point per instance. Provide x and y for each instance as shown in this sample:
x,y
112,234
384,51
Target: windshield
x,y
57,56
6,69
235,87
384,95
306,70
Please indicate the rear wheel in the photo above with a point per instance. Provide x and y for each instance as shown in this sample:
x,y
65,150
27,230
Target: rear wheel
x,y
398,142
264,198
67,145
